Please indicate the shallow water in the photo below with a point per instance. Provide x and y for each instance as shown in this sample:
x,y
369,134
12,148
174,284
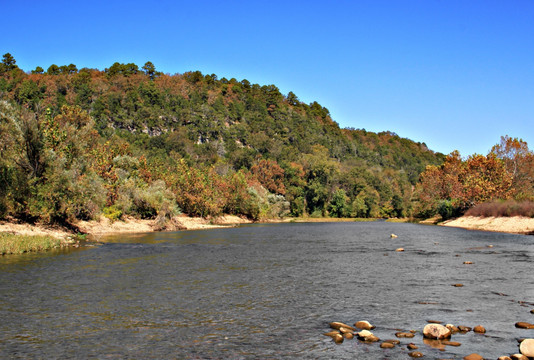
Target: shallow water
x,y
267,291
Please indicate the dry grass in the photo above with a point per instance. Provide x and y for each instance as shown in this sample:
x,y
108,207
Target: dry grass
x,y
506,208
18,244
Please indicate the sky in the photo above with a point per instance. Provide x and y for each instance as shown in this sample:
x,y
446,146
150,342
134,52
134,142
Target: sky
x,y
453,74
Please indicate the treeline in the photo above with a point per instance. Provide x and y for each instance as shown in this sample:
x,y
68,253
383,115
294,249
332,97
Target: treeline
x,y
498,184
77,143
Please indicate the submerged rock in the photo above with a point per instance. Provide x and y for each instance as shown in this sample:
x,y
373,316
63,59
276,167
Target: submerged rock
x,y
473,356
436,331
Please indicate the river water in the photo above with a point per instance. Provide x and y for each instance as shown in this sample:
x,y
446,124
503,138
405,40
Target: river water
x,y
267,292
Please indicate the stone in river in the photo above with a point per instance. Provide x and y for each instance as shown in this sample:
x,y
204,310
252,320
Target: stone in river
x,y
504,358
400,250
479,329
473,356
519,357
412,346
364,325
436,331
401,334
337,325
527,347
387,345
454,329
524,325
348,336
338,339
416,354
464,328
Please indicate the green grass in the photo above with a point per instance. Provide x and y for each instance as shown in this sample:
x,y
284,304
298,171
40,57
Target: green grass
x,y
19,244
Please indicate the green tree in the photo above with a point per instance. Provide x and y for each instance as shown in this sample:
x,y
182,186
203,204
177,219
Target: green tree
x,y
8,63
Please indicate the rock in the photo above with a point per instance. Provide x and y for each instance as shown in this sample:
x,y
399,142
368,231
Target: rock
x,y
337,325
473,356
457,285
479,329
367,336
393,341
434,322
401,334
364,325
524,325
412,346
344,330
387,345
527,347
468,262
332,333
504,358
454,329
464,328
393,236
348,336
436,331
519,357
451,343
532,311
338,339
399,249
416,354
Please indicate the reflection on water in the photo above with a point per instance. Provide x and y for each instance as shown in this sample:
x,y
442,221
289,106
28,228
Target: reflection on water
x,y
266,291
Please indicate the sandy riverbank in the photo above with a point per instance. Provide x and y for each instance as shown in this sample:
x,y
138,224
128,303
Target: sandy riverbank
x,y
129,225
515,224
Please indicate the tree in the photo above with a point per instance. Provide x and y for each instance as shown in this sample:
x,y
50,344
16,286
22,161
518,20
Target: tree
x,y
38,70
149,70
519,162
8,63
53,70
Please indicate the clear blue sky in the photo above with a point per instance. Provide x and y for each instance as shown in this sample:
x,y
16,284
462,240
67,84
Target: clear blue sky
x,y
455,74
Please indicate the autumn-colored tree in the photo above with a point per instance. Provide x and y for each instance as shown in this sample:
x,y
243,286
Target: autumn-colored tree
x,y
519,162
270,175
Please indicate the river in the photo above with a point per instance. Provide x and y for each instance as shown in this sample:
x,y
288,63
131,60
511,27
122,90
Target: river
x,y
267,292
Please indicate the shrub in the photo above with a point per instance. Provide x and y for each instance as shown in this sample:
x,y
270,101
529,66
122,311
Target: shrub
x,y
503,208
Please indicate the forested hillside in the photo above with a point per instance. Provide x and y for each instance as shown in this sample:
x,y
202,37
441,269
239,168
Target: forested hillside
x,y
78,143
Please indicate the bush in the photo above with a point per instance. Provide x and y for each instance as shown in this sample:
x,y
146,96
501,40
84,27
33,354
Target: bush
x,y
503,208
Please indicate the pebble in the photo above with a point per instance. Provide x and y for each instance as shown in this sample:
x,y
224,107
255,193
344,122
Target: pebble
x,y
416,354
387,345
519,357
399,249
451,343
338,339
468,262
524,325
412,346
457,285
504,358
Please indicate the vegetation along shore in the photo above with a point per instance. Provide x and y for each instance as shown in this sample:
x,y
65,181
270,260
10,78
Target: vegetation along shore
x,y
130,144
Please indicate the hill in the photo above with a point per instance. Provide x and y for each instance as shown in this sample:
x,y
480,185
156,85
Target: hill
x,y
133,141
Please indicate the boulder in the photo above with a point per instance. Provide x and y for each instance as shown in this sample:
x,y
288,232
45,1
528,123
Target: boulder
x,y
436,331
364,325
527,347
367,336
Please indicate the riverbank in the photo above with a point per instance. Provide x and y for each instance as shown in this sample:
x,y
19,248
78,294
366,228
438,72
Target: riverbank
x,y
514,224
